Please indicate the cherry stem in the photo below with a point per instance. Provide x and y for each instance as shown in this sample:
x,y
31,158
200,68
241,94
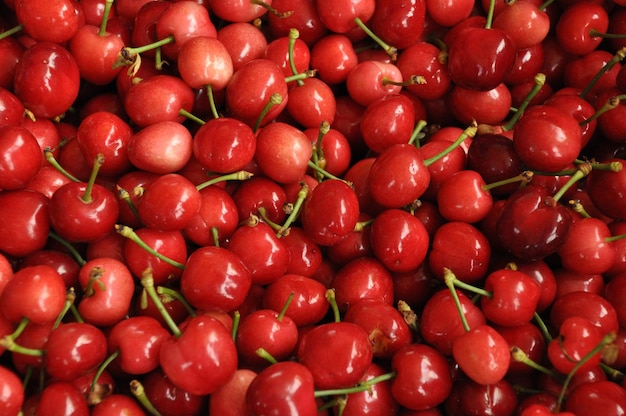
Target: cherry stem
x,y
240,175
361,387
615,238
275,99
192,117
215,233
449,279
75,254
263,213
263,353
360,225
297,207
283,311
19,328
392,51
50,159
138,391
11,32
319,170
147,282
124,195
597,34
417,135
545,5
132,52
129,233
540,80
542,327
272,10
94,279
606,340
332,301
70,298
103,367
409,315
524,177
318,153
211,97
618,57
581,171
492,7
521,357
466,286
309,73
172,294
97,164
468,132
8,343
105,18
578,208
413,80
294,34
236,321
609,105
613,373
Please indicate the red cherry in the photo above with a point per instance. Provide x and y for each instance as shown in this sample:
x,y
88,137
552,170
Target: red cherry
x,y
162,147
205,61
526,24
334,57
428,61
237,11
423,380
54,64
283,387
309,305
586,249
46,22
218,211
377,399
573,29
11,107
230,398
490,106
448,13
306,21
224,145
513,300
483,354
527,338
21,157
339,16
243,41
577,338
24,221
11,51
592,306
227,286
60,398
117,405
370,80
12,396
168,398
199,371
387,121
399,23
605,397
312,103
464,197
499,398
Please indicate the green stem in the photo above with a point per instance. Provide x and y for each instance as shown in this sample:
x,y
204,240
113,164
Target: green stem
x,y
70,298
138,391
449,279
609,105
332,301
79,259
162,290
302,193
466,286
542,327
19,328
97,164
324,173
581,171
468,132
236,321
492,7
263,213
521,357
129,233
240,175
192,117
597,34
363,386
130,52
263,353
392,51
618,57
124,195
9,343
275,99
211,97
103,367
283,311
11,32
545,5
147,281
540,80
105,18
293,36
524,177
414,139
318,153
51,160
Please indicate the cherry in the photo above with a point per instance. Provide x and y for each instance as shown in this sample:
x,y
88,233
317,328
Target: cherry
x,y
568,282
440,323
464,197
337,354
513,300
580,73
263,253
611,123
577,338
527,65
399,23
333,56
483,354
428,61
224,153
370,80
162,147
581,109
243,41
498,399
12,390
53,63
340,18
312,103
250,89
602,396
169,203
283,152
108,289
334,153
46,22
463,249
587,249
230,399
34,336
485,68
117,405
285,385
11,107
423,378
362,278
238,11
309,305
399,240
218,212
484,106
528,339
215,279
399,112
575,25
260,192
137,340
450,13
377,399
21,157
525,22
398,176
11,53
305,254
306,21
72,349
387,329
592,306
199,371
60,398
169,399
603,188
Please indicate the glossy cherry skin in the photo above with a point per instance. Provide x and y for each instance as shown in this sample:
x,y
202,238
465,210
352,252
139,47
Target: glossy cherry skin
x,y
463,197
54,64
400,23
79,220
339,17
386,327
586,249
334,57
215,279
309,305
95,54
514,297
448,13
379,134
362,278
170,244
62,398
11,107
577,338
11,52
330,212
498,398
282,152
485,68
12,390
230,398
169,203
424,380
529,339
605,397
73,349
463,249
138,340
337,354
217,210
282,387
530,225
561,138
45,22
574,26
305,254
312,103
604,189
34,292
244,42
224,153
21,157
483,354
398,176
205,61
117,405
526,24
377,400
162,147
399,240
168,398
591,306
202,370
440,322
367,81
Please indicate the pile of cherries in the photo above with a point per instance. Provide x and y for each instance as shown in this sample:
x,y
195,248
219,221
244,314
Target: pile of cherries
x,y
303,207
